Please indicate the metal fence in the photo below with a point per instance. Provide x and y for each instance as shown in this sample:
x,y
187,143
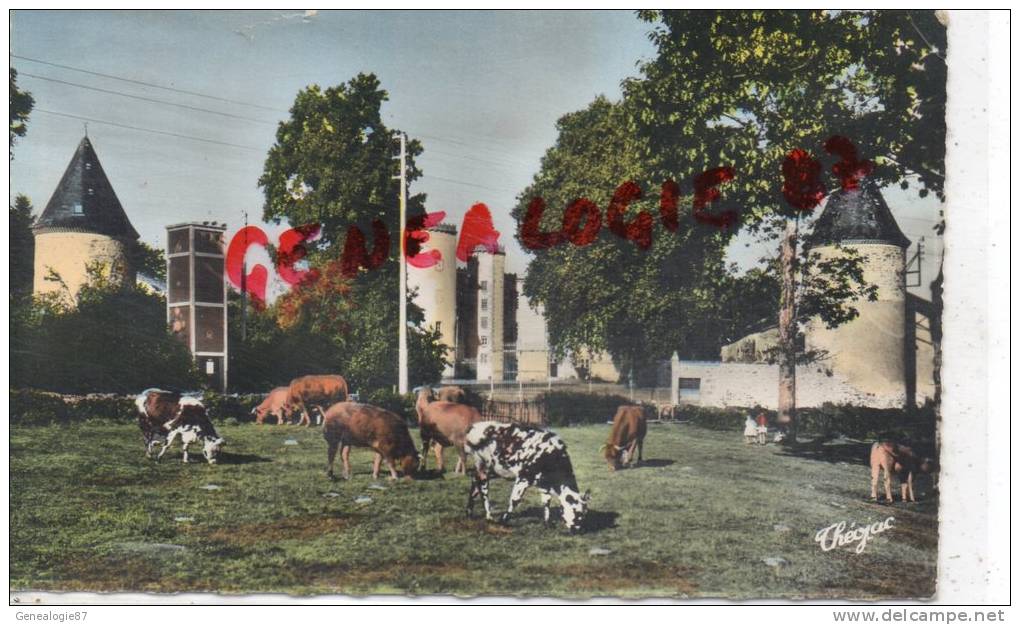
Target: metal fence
x,y
527,412
524,391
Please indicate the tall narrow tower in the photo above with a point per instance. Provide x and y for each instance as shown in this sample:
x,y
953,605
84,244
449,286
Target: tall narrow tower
x,y
869,351
196,299
82,224
490,363
437,288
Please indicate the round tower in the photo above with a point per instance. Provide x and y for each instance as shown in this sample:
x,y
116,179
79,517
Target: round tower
x,y
82,225
437,287
869,351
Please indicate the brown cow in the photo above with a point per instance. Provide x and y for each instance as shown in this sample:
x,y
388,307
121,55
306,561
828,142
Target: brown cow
x,y
453,394
628,434
276,404
347,424
892,458
443,424
316,391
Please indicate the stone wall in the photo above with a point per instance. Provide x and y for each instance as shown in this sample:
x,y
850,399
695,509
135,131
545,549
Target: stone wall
x,y
70,253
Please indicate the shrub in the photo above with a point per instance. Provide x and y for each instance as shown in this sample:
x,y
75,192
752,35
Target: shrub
x,y
35,407
396,403
715,418
238,407
568,408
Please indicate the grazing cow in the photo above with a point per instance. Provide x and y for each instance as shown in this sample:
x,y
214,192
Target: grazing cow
x,y
895,458
443,424
316,392
529,456
166,415
276,404
158,411
627,435
193,425
347,424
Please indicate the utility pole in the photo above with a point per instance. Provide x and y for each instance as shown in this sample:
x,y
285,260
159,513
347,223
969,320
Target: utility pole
x,y
244,284
402,341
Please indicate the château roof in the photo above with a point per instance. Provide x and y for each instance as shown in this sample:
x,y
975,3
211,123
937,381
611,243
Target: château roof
x,y
857,215
84,200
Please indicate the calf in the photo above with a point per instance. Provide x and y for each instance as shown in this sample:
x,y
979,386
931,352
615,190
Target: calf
x,y
192,425
530,457
318,392
276,404
348,424
443,424
627,435
895,458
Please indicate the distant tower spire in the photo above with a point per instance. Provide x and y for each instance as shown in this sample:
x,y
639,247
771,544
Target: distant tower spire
x,y
86,124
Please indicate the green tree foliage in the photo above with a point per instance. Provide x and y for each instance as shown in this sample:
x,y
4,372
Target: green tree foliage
x,y
21,103
332,164
22,247
115,339
148,260
744,88
638,304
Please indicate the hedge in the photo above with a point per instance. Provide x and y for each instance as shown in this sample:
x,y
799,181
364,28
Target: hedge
x,y
569,408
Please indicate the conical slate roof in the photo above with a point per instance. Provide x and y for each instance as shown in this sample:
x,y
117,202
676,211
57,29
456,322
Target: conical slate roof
x,y
857,216
85,201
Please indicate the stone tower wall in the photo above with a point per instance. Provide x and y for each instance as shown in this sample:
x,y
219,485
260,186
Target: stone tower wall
x,y
70,253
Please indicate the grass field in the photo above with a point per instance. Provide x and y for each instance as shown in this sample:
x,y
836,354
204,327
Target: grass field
x,y
699,518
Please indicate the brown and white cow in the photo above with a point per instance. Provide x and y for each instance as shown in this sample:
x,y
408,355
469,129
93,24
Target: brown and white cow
x,y
627,435
443,424
892,458
165,416
316,392
276,404
350,424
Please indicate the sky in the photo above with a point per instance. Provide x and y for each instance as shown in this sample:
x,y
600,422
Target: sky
x,y
481,90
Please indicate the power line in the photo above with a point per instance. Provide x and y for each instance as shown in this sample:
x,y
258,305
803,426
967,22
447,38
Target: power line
x,y
149,84
468,184
140,129
153,100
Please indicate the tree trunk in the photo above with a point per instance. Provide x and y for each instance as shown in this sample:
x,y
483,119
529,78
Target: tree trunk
x,y
788,331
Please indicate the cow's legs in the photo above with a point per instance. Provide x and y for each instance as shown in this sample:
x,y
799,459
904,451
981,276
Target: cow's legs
x,y
393,469
479,486
874,481
169,441
437,449
631,450
641,450
332,447
461,461
546,498
888,482
184,448
376,462
345,456
318,415
425,444
516,494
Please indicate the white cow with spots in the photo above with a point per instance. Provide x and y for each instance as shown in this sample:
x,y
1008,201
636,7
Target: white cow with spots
x,y
530,457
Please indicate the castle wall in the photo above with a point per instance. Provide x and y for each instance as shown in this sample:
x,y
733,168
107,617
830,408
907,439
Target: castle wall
x,y
70,253
727,384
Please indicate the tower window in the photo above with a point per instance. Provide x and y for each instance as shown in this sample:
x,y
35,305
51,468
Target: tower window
x,y
483,285
92,191
76,209
485,322
483,340
88,166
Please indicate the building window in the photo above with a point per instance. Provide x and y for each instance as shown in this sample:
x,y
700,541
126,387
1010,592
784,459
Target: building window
x,y
483,286
88,166
92,191
483,358
484,321
76,209
483,340
485,304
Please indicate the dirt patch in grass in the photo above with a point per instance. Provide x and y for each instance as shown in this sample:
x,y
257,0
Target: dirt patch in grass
x,y
476,526
401,575
117,573
301,527
613,577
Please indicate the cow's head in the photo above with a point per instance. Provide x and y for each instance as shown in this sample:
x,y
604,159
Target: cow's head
x,y
615,455
409,464
211,448
575,507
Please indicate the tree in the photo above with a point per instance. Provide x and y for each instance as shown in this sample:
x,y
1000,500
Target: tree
x,y
638,300
148,260
332,164
114,339
772,82
21,103
22,247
